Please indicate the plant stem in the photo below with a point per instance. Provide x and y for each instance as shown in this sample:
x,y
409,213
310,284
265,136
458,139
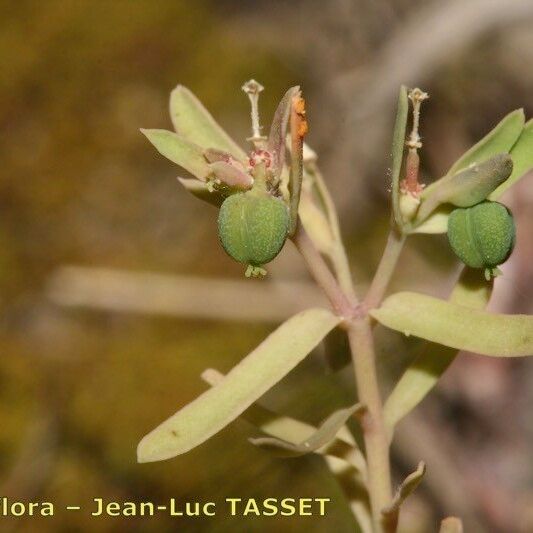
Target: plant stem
x,y
374,431
385,269
362,348
321,273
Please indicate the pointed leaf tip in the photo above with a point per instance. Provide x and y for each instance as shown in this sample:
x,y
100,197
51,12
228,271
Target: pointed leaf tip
x,y
500,139
195,123
179,150
324,435
407,487
522,154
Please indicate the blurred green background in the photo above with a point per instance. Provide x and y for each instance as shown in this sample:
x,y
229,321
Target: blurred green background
x,y
84,375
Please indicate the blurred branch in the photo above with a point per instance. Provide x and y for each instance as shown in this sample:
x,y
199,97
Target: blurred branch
x,y
424,43
183,296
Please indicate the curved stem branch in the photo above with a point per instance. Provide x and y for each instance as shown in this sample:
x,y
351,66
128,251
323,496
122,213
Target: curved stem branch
x,y
385,269
338,254
321,272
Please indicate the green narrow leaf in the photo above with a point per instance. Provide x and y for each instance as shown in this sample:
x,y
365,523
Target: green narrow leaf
x,y
258,372
320,438
398,147
457,326
522,154
200,190
194,122
180,151
500,139
276,425
471,290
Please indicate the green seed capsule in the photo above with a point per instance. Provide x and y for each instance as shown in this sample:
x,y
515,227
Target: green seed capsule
x,y
482,236
252,228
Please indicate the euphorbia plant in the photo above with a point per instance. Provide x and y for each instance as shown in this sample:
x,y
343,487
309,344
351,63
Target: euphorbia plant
x,y
275,193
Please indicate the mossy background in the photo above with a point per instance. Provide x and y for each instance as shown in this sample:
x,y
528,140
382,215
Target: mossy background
x,y
80,185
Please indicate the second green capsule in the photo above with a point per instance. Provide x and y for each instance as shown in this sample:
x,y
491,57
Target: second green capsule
x,y
482,236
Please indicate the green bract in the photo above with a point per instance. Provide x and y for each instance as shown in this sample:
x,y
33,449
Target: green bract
x,y
474,184
468,187
252,227
482,236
